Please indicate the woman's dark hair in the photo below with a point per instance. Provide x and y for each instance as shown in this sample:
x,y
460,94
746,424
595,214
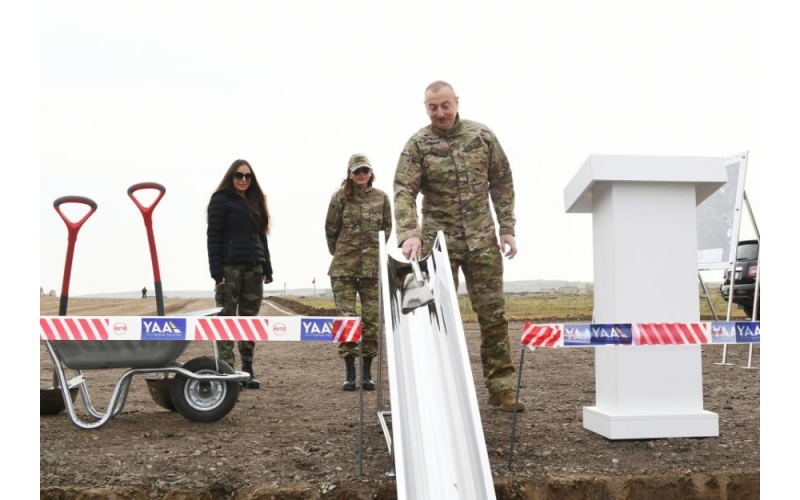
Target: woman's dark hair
x,y
254,197
348,186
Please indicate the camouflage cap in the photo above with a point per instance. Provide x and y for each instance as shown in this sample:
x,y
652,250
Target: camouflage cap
x,y
358,160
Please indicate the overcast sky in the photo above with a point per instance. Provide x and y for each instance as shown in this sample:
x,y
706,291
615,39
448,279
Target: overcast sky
x,y
173,92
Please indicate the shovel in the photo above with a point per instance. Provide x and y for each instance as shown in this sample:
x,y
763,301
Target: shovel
x,y
51,400
160,387
147,214
416,292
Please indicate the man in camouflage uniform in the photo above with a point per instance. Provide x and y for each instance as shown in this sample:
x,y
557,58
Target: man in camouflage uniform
x,y
356,213
457,165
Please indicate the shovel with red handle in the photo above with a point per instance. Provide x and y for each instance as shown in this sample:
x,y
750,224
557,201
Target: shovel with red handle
x,y
147,213
51,400
160,387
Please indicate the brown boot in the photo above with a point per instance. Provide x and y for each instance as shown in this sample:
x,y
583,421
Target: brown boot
x,y
504,400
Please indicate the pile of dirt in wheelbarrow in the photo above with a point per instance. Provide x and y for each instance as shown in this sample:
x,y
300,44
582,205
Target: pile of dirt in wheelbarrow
x,y
298,436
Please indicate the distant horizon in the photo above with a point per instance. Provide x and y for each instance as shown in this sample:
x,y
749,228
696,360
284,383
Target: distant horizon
x,y
514,286
535,284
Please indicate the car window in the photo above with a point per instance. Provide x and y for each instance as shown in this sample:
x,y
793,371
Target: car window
x,y
747,251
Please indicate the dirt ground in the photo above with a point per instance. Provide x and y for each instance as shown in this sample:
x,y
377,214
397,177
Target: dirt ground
x,y
298,436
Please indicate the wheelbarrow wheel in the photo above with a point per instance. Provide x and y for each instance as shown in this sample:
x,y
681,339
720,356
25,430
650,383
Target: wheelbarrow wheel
x,y
204,400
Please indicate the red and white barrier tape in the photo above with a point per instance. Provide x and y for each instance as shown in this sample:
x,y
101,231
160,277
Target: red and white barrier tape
x,y
597,334
255,328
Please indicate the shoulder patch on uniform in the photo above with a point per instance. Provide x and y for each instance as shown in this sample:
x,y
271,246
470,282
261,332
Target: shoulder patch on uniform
x,y
475,144
439,152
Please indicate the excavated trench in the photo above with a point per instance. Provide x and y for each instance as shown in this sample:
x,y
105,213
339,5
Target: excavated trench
x,y
738,485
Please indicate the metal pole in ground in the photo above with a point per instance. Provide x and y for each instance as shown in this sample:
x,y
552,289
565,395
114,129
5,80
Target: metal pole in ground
x,y
514,422
750,360
361,408
757,293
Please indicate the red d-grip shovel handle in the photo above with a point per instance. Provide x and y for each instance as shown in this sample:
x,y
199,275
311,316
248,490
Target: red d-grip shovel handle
x,y
147,213
72,235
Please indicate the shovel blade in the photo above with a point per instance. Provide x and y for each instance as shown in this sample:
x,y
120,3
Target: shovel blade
x,y
51,401
160,390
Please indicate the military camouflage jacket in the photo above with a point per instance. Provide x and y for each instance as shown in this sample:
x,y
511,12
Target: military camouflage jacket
x,y
351,229
456,171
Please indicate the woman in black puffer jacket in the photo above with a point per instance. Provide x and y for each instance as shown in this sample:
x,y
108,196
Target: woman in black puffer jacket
x,y
238,253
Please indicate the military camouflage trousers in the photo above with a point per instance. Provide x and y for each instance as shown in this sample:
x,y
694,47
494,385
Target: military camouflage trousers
x,y
483,273
344,295
241,295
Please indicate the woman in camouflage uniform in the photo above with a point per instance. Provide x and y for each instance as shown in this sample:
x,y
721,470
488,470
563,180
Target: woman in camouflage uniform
x,y
357,212
238,253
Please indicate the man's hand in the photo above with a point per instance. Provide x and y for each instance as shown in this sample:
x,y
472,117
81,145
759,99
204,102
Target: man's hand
x,y
412,248
506,240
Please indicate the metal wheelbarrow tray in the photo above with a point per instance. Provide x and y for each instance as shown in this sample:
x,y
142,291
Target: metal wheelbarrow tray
x,y
100,354
141,354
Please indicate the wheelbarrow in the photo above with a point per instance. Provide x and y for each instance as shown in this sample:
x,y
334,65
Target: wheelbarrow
x,y
204,389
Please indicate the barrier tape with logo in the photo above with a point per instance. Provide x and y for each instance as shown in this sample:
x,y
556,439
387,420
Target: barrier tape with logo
x,y
255,328
640,334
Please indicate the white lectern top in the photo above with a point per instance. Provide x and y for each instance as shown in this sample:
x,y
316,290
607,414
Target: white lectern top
x,y
707,172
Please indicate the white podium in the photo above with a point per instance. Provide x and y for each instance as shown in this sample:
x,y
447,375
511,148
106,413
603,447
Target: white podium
x,y
645,271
